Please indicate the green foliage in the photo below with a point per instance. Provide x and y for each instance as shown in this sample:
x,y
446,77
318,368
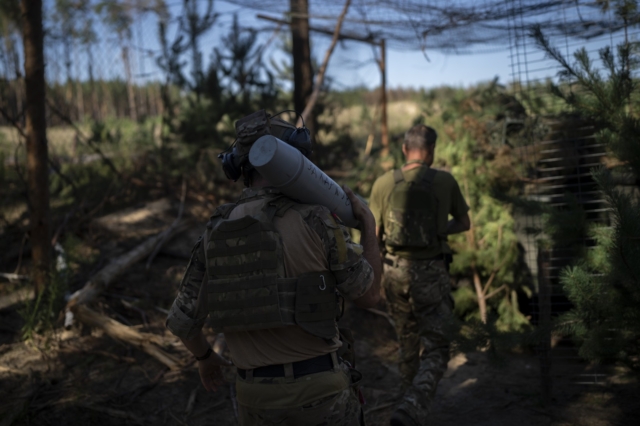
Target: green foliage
x,y
488,252
604,285
236,84
472,335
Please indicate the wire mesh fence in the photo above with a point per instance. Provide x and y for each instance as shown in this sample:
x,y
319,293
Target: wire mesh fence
x,y
560,162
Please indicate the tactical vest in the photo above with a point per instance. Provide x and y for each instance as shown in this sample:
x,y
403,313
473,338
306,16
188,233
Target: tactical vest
x,y
247,288
410,219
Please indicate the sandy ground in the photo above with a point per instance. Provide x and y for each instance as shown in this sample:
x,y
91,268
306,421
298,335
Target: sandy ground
x,y
80,376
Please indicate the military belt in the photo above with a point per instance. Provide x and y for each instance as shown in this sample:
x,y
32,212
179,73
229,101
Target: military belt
x,y
301,368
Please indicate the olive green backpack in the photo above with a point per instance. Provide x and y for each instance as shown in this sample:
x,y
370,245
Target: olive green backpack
x,y
410,219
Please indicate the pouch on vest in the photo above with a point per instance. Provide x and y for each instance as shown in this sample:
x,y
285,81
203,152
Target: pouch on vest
x,y
411,217
317,304
246,287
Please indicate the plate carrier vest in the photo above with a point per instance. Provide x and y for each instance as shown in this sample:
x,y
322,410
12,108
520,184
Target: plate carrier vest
x,y
247,288
410,220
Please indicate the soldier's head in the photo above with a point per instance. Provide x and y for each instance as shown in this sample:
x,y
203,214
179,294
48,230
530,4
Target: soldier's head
x,y
235,160
420,143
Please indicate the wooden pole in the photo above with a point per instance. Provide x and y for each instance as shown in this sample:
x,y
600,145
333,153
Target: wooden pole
x,y
311,102
384,129
36,138
544,322
301,49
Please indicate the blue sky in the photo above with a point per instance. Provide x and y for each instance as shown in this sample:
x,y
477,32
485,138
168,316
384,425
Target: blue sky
x,y
351,65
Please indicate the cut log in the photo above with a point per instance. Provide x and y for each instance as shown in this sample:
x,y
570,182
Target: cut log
x,y
107,275
147,342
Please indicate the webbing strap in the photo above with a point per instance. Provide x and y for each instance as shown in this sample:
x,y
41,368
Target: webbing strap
x,y
249,302
237,284
341,243
242,249
429,176
236,224
221,234
245,268
398,176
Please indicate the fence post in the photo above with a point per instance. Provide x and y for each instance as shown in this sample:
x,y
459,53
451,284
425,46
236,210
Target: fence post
x,y
544,323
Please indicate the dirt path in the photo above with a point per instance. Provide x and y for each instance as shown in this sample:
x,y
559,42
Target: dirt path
x,y
81,376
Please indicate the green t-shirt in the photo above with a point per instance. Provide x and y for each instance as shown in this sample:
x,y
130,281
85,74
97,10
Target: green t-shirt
x,y
450,202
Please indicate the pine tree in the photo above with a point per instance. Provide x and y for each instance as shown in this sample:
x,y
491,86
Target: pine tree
x,y
604,286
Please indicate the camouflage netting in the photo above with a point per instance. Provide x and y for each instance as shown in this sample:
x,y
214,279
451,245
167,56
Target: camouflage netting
x,y
453,26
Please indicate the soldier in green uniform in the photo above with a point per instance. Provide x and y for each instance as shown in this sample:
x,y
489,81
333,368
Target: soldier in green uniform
x,y
412,206
271,274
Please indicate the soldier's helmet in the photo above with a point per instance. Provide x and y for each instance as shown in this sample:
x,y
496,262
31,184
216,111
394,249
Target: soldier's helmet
x,y
251,128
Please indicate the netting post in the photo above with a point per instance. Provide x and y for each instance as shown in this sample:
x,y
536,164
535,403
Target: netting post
x,y
544,324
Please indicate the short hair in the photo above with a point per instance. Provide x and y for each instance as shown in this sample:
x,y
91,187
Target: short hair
x,y
420,137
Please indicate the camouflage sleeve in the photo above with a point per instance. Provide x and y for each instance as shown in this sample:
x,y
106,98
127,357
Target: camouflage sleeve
x,y
353,273
186,316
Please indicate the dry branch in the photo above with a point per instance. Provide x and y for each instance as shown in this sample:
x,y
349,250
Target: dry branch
x,y
383,314
100,281
145,341
175,223
323,68
14,277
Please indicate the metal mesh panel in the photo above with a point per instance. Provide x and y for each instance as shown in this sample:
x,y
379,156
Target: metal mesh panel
x,y
559,172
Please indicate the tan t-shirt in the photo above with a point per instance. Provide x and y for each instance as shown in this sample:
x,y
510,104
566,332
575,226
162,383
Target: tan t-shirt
x,y
450,202
302,253
308,246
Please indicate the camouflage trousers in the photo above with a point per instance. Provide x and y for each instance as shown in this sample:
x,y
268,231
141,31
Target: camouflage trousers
x,y
418,293
294,404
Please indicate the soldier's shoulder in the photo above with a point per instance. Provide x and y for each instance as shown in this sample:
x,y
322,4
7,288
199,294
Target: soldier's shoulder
x,y
443,176
309,211
384,182
221,211
386,176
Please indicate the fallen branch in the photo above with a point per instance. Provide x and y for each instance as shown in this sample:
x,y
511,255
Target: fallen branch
x,y
125,359
383,314
147,342
107,275
14,277
175,223
191,403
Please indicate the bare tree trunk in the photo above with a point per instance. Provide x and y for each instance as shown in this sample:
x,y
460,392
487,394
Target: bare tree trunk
x,y
78,84
384,129
302,72
95,115
36,132
482,300
544,323
133,110
323,68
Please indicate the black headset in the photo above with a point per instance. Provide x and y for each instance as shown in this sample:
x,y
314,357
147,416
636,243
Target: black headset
x,y
299,138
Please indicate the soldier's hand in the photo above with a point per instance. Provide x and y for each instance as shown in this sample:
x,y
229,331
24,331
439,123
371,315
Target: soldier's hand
x,y
360,210
211,373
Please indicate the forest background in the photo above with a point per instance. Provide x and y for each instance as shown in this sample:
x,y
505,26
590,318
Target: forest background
x,y
124,142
